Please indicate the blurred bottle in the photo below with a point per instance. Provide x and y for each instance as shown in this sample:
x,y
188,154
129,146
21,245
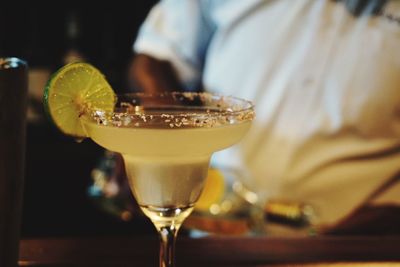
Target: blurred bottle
x,y
110,48
72,34
39,66
13,89
41,62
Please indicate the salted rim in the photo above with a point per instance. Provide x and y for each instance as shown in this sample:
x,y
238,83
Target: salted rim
x,y
218,110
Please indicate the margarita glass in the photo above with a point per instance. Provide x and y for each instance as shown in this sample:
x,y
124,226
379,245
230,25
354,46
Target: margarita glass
x,y
166,141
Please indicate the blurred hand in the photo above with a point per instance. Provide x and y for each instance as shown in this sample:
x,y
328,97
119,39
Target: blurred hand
x,y
150,75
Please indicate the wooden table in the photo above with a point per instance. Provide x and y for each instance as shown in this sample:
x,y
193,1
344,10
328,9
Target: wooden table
x,y
214,251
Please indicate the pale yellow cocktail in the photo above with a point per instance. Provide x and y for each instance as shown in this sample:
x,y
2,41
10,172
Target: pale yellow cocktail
x,y
167,141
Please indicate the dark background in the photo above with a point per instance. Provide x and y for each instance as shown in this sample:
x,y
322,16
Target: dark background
x,y
104,34
57,175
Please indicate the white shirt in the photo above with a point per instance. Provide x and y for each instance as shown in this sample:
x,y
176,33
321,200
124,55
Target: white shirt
x,y
326,86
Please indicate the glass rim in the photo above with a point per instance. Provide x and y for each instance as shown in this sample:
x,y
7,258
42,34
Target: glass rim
x,y
190,109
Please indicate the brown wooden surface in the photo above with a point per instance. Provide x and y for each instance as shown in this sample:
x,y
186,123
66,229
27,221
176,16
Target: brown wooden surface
x,y
216,251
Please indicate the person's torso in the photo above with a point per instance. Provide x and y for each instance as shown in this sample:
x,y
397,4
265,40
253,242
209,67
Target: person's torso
x,y
326,85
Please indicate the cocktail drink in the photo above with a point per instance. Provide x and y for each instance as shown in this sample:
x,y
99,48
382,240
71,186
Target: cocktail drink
x,y
166,141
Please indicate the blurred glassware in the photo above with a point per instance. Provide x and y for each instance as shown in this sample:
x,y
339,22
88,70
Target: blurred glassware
x,y
226,206
109,188
239,212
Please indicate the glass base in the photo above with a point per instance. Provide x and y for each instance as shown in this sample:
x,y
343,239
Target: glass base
x,y
166,216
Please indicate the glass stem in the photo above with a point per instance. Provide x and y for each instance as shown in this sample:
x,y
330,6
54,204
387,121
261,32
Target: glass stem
x,y
167,221
167,244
